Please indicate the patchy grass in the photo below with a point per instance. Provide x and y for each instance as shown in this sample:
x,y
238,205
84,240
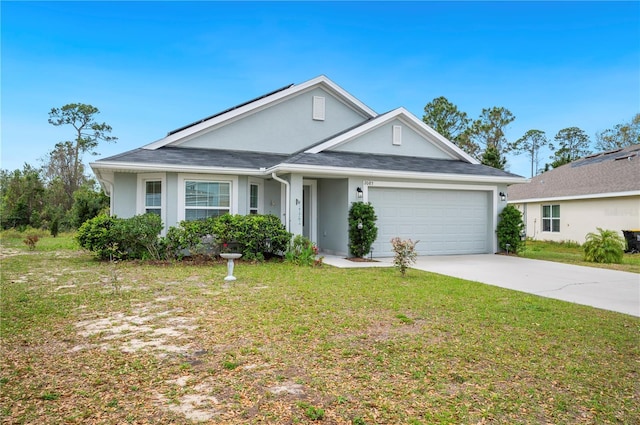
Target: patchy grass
x,y
285,344
572,253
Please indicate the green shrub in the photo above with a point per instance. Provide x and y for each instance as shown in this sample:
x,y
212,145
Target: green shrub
x,y
255,236
301,252
113,238
510,229
362,228
605,246
87,203
405,253
95,235
194,237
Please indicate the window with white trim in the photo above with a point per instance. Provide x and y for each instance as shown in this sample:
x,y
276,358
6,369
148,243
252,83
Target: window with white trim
x,y
204,199
153,197
254,190
151,194
551,218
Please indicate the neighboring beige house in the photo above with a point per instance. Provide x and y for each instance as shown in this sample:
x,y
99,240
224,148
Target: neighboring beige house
x,y
566,203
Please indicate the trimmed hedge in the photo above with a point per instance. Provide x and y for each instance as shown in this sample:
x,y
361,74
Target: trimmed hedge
x,y
113,238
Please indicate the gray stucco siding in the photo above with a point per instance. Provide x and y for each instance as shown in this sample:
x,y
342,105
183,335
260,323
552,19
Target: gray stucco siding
x,y
333,213
272,196
379,141
281,128
171,207
124,195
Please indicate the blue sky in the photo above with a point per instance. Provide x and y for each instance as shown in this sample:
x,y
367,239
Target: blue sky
x,y
151,67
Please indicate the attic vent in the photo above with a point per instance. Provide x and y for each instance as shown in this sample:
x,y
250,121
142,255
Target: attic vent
x,y
396,139
318,108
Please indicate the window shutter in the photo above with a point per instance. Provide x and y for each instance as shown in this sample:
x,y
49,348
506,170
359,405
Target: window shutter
x,y
397,135
318,108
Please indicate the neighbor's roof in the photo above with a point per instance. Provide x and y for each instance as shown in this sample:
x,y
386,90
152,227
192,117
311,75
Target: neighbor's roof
x,y
604,174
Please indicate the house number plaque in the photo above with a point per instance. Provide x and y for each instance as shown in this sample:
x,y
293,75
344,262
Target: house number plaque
x,y
368,183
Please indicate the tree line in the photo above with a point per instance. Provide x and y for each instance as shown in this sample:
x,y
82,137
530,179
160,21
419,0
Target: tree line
x,y
60,195
484,138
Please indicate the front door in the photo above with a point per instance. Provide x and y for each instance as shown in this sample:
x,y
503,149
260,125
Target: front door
x,y
306,211
309,210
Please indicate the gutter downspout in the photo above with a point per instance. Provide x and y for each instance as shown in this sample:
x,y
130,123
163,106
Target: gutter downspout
x,y
287,197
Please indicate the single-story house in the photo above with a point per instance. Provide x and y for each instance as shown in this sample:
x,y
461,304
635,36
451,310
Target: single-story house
x,y
305,153
566,203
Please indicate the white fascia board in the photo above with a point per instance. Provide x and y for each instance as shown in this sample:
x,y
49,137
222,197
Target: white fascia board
x,y
105,178
340,171
137,167
340,92
441,142
258,104
577,197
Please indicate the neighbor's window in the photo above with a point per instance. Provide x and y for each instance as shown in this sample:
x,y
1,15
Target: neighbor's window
x,y
206,199
253,199
153,197
551,218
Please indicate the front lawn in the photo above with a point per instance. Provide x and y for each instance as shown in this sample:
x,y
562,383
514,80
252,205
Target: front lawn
x,y
90,342
572,253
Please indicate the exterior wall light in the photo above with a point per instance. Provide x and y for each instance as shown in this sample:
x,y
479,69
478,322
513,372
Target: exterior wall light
x,y
503,196
359,193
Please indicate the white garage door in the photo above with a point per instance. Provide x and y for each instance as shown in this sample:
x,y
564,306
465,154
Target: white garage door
x,y
444,221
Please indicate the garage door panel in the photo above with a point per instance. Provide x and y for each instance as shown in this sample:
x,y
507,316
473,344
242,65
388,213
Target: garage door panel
x,y
444,221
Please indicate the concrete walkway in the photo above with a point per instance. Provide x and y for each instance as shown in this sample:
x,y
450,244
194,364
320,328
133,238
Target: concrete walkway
x,y
601,288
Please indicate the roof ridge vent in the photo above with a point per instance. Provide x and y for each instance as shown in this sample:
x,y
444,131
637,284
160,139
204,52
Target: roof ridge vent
x,y
629,157
612,151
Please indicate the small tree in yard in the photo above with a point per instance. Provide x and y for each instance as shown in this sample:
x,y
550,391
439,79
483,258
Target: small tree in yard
x,y
362,228
606,246
510,229
405,253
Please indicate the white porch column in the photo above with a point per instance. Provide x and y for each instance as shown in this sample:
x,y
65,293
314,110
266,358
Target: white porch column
x,y
295,213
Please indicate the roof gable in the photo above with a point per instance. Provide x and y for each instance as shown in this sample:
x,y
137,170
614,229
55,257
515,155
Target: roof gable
x,y
188,135
613,173
379,136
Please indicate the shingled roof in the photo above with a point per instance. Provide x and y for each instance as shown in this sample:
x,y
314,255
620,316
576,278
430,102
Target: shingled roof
x,y
612,172
259,161
198,157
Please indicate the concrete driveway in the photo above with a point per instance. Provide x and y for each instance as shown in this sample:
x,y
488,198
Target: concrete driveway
x,y
601,288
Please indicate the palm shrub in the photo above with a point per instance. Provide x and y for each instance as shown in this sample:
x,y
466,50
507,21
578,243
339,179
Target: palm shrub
x,y
510,229
362,228
605,246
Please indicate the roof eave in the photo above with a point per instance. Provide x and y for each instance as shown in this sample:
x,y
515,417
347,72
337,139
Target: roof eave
x,y
350,172
151,167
